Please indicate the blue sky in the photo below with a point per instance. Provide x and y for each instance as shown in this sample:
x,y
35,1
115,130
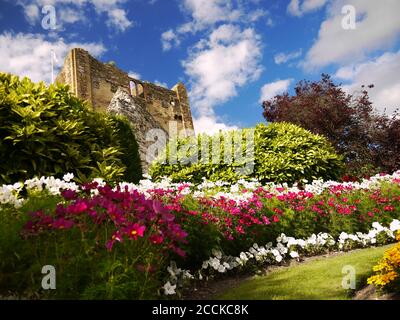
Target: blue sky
x,y
231,54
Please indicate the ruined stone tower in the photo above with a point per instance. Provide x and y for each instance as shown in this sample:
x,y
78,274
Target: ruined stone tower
x,y
146,105
97,83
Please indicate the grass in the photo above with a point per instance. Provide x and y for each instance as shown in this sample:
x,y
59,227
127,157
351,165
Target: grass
x,y
319,278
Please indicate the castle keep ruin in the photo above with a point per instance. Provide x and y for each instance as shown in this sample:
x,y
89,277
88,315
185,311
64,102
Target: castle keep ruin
x,y
146,105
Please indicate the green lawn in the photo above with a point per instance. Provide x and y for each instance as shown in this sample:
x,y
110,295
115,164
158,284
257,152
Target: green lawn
x,y
319,278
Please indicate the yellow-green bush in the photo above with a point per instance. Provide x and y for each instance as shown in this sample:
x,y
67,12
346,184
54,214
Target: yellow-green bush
x,y
278,152
47,131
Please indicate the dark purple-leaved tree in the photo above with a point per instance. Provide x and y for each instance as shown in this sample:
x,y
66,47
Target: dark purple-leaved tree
x,y
368,142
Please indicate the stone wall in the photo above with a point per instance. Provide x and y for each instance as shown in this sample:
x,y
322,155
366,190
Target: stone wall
x,y
141,120
97,83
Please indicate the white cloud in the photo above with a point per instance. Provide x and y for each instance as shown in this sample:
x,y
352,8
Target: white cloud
x,y
72,11
205,14
210,125
270,90
228,59
31,13
117,18
134,75
161,84
29,54
69,15
208,12
169,39
378,26
299,8
285,57
383,72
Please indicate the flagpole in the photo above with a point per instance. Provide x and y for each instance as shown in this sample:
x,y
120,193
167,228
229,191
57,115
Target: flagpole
x,y
52,66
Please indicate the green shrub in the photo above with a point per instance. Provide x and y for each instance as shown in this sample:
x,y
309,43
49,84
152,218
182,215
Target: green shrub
x,y
47,131
283,152
129,148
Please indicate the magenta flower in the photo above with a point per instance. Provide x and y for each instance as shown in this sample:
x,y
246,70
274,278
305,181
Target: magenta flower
x,y
266,220
116,237
69,194
156,239
134,231
62,223
78,207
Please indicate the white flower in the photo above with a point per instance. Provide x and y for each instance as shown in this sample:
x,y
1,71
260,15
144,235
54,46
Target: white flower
x,y
169,289
343,236
243,257
217,253
221,268
275,252
294,254
301,243
187,275
372,234
214,262
173,270
282,249
252,251
68,177
395,225
378,226
282,238
291,242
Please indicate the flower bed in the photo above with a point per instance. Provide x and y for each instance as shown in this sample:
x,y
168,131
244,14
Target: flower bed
x,y
118,241
387,271
258,257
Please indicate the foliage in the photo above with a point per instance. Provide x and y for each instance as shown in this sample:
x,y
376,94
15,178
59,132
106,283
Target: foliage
x,y
128,146
278,152
387,271
117,242
368,142
47,131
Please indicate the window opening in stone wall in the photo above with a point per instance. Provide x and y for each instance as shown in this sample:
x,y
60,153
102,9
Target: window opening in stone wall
x,y
132,86
136,89
140,90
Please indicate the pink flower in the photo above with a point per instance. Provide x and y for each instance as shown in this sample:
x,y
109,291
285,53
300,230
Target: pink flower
x,y
78,207
115,237
156,239
388,208
266,220
179,251
69,194
275,218
134,231
239,229
61,223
